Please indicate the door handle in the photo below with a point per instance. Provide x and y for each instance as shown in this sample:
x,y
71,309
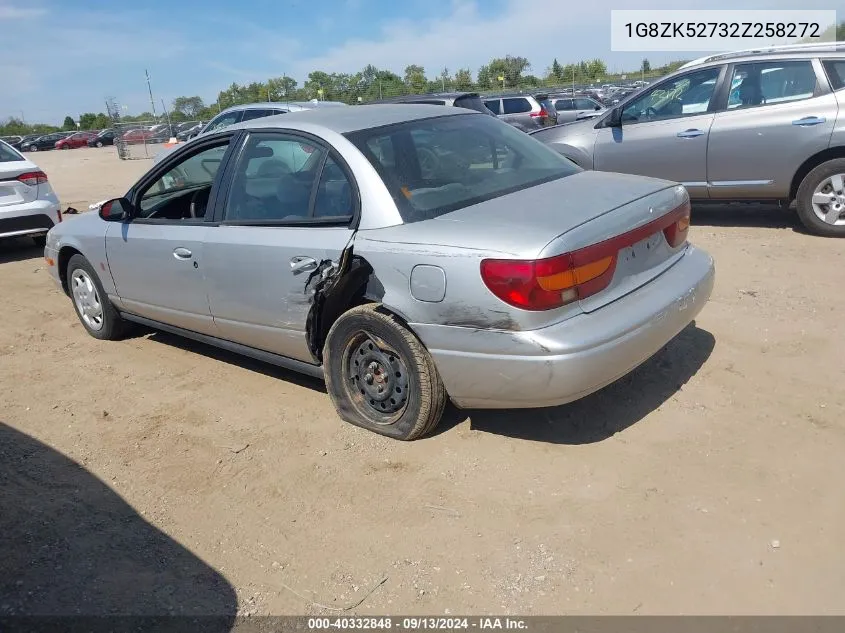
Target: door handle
x,y
809,120
301,263
692,133
182,253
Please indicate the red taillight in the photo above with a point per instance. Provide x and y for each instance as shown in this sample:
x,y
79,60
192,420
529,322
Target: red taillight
x,y
33,178
542,114
545,284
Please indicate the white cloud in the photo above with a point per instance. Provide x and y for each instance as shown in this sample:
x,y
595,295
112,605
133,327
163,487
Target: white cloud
x,y
8,12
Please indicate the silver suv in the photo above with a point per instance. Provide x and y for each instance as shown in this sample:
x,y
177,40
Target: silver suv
x,y
743,126
249,111
523,111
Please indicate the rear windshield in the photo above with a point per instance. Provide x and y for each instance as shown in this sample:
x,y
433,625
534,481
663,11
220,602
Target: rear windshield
x,y
9,155
438,165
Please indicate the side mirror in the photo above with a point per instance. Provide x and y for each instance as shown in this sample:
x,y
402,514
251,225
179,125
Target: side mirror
x,y
615,118
598,107
116,210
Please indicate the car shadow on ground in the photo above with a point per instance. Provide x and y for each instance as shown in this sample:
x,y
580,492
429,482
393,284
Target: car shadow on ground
x,y
71,546
231,358
764,216
19,249
606,412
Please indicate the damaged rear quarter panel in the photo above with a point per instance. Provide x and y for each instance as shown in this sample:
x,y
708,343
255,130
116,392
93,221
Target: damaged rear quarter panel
x,y
467,302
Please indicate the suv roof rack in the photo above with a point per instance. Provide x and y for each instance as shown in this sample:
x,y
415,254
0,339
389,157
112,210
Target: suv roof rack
x,y
822,47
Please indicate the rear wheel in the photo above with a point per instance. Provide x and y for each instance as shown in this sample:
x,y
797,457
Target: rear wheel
x,y
33,148
821,199
380,376
99,143
92,305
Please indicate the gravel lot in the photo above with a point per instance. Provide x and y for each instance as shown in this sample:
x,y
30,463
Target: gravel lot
x,y
708,481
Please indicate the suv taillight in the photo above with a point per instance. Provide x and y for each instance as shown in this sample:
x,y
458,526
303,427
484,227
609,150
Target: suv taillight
x,y
33,178
542,114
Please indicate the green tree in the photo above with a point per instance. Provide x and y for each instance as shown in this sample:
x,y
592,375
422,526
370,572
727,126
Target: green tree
x,y
86,121
840,32
69,123
415,79
557,70
281,88
510,67
463,79
189,106
486,78
646,66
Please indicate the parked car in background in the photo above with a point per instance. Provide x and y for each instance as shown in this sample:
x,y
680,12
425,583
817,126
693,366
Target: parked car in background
x,y
28,205
249,111
524,112
517,285
469,100
189,132
104,137
74,141
24,140
742,126
575,108
45,142
13,141
154,134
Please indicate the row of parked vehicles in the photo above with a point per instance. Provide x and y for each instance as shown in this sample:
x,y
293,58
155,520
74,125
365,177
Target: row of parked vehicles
x,y
100,138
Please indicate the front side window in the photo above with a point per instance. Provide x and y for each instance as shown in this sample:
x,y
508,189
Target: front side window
x,y
249,115
585,104
435,166
516,106
767,83
275,180
182,192
685,95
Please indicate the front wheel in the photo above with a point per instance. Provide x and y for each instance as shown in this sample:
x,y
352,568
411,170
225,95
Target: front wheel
x,y
99,143
821,199
33,148
380,376
92,305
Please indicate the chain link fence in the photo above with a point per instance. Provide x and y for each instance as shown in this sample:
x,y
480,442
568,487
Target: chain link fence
x,y
144,139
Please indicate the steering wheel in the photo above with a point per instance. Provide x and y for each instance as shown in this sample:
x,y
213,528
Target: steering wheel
x,y
196,201
650,112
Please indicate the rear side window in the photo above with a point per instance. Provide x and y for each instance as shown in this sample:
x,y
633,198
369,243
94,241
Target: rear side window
x,y
278,111
435,166
835,69
769,83
8,155
516,106
561,105
430,101
249,115
494,106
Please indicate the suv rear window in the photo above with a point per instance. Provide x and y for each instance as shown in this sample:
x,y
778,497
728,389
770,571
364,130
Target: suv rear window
x,y
835,69
516,106
493,105
438,165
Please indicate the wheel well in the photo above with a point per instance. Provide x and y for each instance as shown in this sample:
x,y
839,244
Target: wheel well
x,y
65,254
810,164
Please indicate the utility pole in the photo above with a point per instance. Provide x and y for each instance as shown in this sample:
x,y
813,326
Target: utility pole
x,y
149,87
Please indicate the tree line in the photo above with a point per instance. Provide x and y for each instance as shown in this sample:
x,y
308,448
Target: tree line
x,y
371,83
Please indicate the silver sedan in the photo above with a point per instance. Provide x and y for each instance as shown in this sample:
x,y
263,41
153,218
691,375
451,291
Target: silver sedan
x,y
402,253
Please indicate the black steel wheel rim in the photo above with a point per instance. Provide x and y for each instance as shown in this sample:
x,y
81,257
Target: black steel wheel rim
x,y
377,378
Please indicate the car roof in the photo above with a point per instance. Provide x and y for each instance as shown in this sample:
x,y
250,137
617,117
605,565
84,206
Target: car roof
x,y
509,95
263,105
354,118
428,95
837,49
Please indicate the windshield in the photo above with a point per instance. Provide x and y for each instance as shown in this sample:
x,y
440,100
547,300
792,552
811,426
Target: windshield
x,y
435,166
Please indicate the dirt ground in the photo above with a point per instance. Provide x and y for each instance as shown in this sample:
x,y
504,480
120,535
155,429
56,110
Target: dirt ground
x,y
708,481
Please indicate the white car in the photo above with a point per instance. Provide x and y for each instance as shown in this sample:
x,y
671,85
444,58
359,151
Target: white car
x,y
28,204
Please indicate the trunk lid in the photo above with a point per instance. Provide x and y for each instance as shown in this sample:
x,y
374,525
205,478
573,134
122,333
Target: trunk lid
x,y
579,211
13,191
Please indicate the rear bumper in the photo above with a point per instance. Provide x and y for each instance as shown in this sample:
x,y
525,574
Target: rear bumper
x,y
566,361
31,218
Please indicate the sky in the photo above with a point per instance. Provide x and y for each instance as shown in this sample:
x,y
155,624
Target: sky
x,y
64,57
